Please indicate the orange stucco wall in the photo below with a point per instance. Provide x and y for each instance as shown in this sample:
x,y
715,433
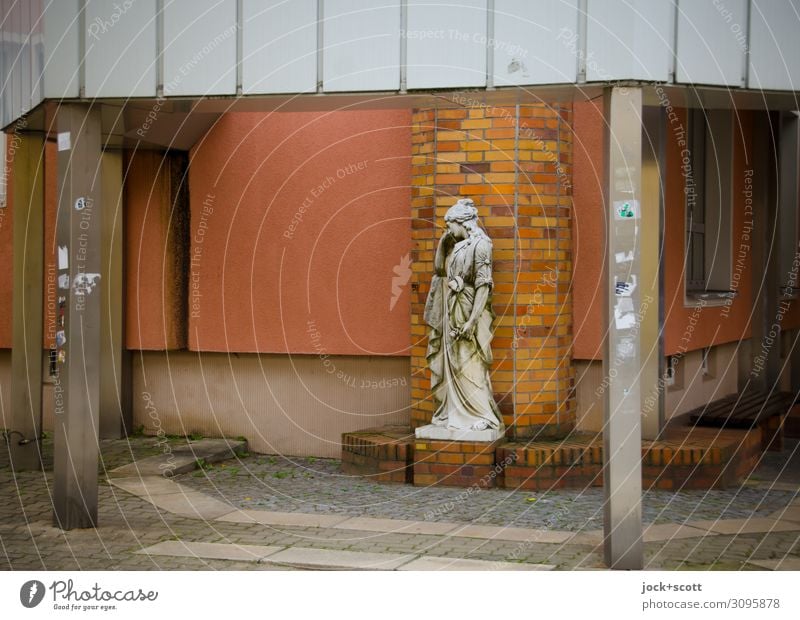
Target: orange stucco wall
x,y
300,234
589,229
711,325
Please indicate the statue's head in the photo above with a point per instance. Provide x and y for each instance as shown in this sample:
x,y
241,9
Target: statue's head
x,y
463,211
462,219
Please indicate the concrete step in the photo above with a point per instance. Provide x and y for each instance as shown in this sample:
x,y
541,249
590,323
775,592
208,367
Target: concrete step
x,y
181,458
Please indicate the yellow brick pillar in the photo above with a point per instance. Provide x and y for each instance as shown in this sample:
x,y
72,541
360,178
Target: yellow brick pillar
x,y
515,163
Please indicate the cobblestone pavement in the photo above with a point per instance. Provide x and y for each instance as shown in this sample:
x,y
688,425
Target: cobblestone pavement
x,y
128,523
317,486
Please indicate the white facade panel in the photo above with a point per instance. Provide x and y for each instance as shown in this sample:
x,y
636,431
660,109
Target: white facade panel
x,y
8,103
712,39
446,47
279,46
361,43
200,47
629,39
120,48
533,43
15,55
775,45
22,63
61,49
37,50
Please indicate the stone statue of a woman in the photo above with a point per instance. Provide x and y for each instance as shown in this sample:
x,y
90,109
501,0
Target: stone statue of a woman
x,y
459,314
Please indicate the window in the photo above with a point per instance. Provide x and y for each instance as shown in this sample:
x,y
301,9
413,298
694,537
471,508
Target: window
x,y
708,363
707,187
673,372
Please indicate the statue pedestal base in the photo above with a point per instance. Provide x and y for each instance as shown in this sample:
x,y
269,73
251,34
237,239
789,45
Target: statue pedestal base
x,y
457,463
441,433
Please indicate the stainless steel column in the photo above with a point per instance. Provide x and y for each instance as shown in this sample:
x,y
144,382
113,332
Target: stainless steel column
x,y
622,433
23,421
78,319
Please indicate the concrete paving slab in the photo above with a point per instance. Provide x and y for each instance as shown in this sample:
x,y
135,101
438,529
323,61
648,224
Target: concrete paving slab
x,y
211,551
396,526
784,564
672,531
589,537
191,504
774,486
147,485
181,458
516,534
327,559
790,513
161,465
428,562
756,525
296,519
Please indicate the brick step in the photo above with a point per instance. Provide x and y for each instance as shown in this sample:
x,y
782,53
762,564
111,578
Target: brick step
x,y
686,457
791,424
383,454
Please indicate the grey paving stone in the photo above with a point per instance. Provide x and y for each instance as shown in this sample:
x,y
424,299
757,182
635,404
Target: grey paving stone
x,y
369,524
592,537
774,486
266,517
327,559
191,504
790,513
672,531
215,551
783,564
427,562
517,534
146,485
755,525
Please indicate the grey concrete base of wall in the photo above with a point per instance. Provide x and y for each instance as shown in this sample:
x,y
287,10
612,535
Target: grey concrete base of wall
x,y
295,405
693,388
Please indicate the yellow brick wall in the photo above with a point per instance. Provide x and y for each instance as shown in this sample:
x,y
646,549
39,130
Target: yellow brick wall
x,y
516,165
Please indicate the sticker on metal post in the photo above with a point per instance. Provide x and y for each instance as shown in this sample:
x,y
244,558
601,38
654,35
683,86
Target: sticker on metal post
x,y
626,209
80,204
63,257
625,289
64,141
85,283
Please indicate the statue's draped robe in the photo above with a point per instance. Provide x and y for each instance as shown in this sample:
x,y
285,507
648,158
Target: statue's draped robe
x,y
459,367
